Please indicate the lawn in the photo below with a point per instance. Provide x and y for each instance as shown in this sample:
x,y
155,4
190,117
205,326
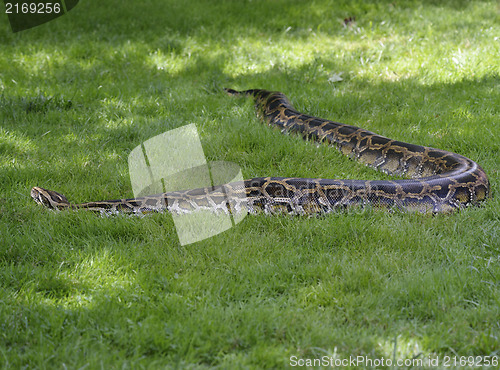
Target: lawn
x,y
79,93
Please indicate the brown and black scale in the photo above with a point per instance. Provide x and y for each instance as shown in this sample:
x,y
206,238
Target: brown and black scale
x,y
437,181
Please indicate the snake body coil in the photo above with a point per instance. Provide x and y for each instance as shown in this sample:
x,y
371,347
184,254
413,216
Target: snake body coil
x,y
437,181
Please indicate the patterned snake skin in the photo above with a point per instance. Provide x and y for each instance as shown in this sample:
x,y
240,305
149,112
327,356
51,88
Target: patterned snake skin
x,y
437,181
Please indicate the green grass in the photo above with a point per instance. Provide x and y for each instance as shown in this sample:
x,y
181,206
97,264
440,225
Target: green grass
x,y
79,93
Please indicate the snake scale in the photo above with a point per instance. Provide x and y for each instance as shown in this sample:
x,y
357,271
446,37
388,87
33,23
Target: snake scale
x,y
436,181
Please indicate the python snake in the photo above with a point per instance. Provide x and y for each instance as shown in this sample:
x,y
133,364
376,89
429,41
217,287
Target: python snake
x,y
437,181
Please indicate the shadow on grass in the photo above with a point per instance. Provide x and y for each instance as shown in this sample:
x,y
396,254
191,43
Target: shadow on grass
x,y
141,20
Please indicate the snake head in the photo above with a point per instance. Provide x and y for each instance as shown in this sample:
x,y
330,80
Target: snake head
x,y
49,198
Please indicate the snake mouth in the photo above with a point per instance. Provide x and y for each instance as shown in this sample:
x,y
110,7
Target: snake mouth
x,y
36,194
